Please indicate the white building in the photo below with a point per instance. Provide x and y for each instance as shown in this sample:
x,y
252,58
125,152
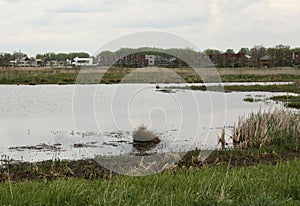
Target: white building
x,y
151,60
83,61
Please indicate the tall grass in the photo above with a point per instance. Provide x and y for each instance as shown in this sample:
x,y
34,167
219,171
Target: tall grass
x,y
278,128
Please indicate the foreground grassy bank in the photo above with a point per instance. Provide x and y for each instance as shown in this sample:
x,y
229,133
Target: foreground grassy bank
x,y
115,75
261,184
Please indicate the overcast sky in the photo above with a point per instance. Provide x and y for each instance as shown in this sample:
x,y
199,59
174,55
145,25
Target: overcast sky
x,y
39,26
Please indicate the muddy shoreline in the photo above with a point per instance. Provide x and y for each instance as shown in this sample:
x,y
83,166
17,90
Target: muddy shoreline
x,y
90,169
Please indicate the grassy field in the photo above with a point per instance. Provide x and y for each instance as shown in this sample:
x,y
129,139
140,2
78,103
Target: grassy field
x,y
261,184
115,75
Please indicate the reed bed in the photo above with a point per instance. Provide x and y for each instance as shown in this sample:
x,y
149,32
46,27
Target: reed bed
x,y
278,128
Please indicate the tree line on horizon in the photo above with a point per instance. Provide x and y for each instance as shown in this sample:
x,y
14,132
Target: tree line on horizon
x,y
279,54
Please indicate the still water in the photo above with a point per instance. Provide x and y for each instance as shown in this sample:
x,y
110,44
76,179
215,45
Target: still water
x,y
80,121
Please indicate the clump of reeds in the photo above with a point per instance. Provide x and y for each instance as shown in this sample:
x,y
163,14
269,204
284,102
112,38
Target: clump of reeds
x,y
273,128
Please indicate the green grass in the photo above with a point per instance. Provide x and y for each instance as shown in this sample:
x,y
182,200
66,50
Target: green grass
x,y
220,185
248,99
292,88
289,101
257,78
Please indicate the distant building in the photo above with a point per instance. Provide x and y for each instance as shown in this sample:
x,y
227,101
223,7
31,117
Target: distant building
x,y
215,59
151,60
83,61
107,60
250,62
161,61
39,63
24,62
140,60
265,61
240,59
225,59
296,58
132,60
13,63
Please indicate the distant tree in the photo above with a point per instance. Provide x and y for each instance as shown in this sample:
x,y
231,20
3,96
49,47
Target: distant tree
x,y
282,55
107,53
212,51
272,54
296,49
244,50
230,51
39,56
125,51
256,53
73,55
61,57
1,60
51,56
5,58
18,55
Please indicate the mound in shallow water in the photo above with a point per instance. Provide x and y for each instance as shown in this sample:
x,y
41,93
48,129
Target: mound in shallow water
x,y
144,136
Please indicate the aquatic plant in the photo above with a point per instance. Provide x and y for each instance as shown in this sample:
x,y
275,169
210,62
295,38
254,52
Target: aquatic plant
x,y
279,128
249,99
288,100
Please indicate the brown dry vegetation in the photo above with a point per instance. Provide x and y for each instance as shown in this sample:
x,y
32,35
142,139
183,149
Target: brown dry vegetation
x,y
260,71
91,75
280,128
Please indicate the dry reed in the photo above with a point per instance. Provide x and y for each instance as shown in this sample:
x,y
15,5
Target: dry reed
x,y
277,128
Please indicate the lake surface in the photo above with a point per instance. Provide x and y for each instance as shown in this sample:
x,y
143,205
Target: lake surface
x,y
81,121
